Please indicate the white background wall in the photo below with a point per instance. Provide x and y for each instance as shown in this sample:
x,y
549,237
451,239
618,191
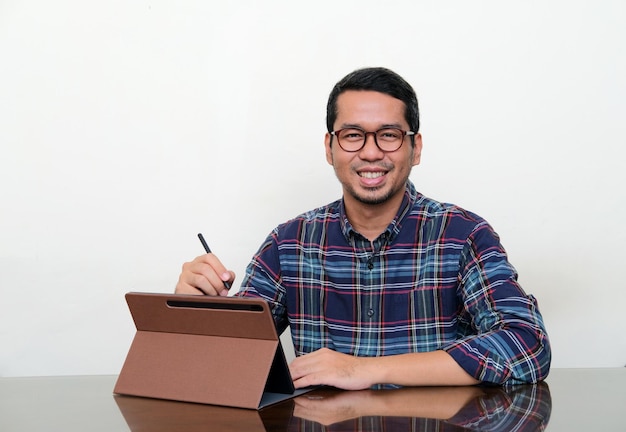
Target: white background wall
x,y
126,127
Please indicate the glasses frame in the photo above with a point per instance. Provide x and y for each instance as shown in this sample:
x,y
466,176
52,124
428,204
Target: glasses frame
x,y
406,133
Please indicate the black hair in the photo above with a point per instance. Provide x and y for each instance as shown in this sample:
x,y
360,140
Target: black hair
x,y
376,79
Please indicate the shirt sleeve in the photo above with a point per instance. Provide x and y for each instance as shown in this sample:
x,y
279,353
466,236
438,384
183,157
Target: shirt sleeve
x,y
508,341
263,280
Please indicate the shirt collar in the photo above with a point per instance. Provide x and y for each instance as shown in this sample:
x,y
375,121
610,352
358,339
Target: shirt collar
x,y
409,198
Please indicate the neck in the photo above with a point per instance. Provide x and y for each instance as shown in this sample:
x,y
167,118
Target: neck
x,y
371,220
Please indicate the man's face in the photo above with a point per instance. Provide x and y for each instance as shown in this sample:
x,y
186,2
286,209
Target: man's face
x,y
371,176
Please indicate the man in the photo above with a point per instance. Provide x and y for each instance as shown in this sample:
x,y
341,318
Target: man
x,y
387,286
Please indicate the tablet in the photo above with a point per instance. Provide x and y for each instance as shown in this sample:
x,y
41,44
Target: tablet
x,y
204,349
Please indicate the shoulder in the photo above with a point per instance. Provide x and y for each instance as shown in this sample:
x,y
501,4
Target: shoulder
x,y
317,217
450,222
430,209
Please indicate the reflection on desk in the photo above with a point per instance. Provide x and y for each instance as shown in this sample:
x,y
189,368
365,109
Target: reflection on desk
x,y
577,400
522,408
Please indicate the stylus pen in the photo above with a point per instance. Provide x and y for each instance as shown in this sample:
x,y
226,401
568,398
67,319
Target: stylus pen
x,y
208,250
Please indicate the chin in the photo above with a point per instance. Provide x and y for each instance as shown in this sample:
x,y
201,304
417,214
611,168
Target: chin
x,y
374,198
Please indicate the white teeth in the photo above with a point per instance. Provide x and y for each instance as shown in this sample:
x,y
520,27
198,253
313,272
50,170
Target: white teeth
x,y
369,174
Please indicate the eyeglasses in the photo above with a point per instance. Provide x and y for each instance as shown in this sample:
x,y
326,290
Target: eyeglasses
x,y
386,139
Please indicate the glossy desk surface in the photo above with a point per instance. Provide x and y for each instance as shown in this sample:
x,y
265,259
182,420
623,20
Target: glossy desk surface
x,y
569,400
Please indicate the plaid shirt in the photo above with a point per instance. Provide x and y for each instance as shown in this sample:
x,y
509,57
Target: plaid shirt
x,y
436,279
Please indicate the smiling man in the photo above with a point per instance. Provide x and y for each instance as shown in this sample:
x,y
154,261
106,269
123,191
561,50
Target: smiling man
x,y
385,285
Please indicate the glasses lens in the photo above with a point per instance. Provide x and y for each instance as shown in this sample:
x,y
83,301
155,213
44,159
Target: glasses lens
x,y
389,139
351,139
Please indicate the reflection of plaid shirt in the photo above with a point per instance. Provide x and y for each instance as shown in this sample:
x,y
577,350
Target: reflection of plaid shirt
x,y
437,278
514,408
500,409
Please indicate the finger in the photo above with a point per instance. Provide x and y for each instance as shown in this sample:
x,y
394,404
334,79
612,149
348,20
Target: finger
x,y
185,288
211,267
199,277
303,382
225,277
229,277
186,284
216,264
302,368
209,285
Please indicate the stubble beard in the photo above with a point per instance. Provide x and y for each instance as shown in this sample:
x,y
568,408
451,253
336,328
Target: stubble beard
x,y
373,199
371,196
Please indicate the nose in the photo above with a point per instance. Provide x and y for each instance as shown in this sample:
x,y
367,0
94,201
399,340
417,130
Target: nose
x,y
370,150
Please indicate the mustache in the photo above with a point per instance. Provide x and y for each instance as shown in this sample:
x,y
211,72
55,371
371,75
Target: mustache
x,y
381,165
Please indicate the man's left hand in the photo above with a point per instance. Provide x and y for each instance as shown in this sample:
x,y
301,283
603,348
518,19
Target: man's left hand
x,y
328,367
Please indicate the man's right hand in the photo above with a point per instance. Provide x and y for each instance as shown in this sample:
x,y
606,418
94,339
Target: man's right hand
x,y
204,275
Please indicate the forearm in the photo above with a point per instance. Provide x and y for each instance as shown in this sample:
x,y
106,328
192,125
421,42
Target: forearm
x,y
436,368
511,355
349,372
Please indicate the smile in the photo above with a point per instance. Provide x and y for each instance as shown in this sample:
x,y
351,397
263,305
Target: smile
x,y
371,174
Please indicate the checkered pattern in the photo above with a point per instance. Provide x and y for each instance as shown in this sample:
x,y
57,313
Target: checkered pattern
x,y
436,279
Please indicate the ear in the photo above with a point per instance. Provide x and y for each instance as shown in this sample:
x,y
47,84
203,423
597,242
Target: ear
x,y
329,151
417,149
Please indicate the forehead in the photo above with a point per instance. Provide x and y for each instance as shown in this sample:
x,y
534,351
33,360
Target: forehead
x,y
369,108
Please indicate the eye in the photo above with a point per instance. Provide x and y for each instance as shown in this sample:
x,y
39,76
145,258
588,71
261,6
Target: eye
x,y
389,134
351,134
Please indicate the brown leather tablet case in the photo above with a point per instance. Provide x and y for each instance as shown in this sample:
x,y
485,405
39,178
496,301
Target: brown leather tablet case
x,y
212,350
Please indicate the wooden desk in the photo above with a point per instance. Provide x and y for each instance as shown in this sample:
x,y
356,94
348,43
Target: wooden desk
x,y
569,400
